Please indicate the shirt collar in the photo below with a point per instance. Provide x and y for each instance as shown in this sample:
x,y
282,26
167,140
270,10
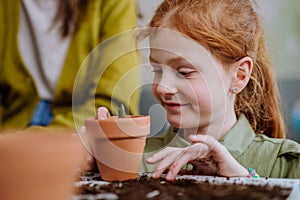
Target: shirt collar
x,y
174,139
239,137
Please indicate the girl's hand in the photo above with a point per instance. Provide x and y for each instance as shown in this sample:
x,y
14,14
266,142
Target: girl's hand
x,y
227,165
174,159
203,146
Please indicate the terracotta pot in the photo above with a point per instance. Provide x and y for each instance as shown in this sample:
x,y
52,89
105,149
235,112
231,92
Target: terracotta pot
x,y
118,145
38,166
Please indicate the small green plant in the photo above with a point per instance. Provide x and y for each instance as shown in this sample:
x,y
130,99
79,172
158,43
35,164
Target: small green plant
x,y
121,111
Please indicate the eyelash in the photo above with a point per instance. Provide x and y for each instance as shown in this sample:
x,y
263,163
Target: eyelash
x,y
184,73
181,73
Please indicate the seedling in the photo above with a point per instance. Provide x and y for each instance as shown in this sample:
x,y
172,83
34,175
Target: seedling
x,y
121,111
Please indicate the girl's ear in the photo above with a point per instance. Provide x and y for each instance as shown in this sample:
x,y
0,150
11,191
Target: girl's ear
x,y
243,68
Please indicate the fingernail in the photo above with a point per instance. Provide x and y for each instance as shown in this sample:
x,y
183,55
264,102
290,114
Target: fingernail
x,y
149,159
154,175
101,117
169,176
192,137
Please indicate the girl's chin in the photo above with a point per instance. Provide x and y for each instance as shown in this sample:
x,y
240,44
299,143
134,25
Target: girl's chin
x,y
181,124
184,123
175,124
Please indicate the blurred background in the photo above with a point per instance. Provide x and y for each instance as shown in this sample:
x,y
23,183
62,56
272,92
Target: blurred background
x,y
281,21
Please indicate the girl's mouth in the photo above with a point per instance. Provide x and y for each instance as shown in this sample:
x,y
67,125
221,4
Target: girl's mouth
x,y
173,106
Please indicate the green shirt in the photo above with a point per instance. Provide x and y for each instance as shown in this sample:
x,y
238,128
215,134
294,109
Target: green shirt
x,y
270,157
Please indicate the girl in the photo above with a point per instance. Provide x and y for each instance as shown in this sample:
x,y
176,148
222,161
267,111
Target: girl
x,y
213,76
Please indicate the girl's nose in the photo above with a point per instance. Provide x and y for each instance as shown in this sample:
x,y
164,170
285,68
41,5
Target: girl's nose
x,y
166,86
164,90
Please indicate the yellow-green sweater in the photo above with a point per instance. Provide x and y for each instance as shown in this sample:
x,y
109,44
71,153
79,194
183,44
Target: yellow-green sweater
x,y
102,20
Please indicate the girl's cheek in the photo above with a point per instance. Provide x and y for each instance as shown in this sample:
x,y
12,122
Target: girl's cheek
x,y
154,91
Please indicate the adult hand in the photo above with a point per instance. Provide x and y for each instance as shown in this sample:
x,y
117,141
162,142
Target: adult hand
x,y
203,146
89,162
102,113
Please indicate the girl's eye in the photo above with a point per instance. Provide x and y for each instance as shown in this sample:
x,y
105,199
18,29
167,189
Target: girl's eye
x,y
185,72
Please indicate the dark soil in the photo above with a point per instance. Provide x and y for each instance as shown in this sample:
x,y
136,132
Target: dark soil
x,y
160,189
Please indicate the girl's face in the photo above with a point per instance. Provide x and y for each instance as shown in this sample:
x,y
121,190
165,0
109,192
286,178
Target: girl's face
x,y
190,83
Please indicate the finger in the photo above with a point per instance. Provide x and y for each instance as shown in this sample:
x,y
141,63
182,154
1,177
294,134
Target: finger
x,y
210,141
160,155
74,135
158,172
192,152
166,162
177,166
102,113
198,150
91,162
216,149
